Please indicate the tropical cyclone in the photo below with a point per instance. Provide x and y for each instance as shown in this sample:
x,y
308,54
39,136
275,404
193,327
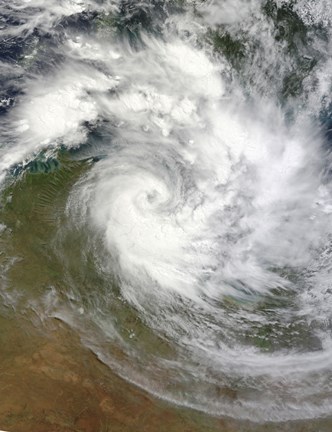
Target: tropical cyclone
x,y
207,211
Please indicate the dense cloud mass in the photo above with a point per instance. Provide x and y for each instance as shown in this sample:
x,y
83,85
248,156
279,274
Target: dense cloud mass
x,y
206,211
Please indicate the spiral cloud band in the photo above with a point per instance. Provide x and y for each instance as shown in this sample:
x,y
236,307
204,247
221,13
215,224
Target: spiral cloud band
x,y
207,215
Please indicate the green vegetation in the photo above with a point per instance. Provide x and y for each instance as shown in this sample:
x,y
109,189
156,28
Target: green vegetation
x,y
288,25
223,42
31,209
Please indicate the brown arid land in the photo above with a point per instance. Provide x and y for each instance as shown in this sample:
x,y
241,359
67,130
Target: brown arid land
x,y
51,383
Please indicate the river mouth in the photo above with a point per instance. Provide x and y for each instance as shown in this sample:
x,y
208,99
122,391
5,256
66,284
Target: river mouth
x,y
165,214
